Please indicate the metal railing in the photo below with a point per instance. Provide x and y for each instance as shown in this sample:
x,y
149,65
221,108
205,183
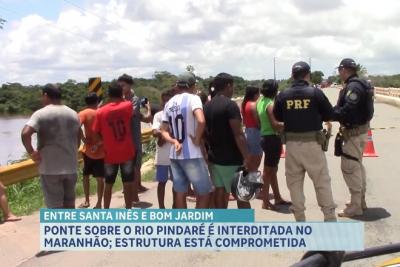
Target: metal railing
x,y
394,92
320,259
27,169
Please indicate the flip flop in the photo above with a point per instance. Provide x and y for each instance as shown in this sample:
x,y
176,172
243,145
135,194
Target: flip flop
x,y
191,198
283,202
84,205
231,198
270,207
142,189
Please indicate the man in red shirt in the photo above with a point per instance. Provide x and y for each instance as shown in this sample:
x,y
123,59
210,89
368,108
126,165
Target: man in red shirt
x,y
112,123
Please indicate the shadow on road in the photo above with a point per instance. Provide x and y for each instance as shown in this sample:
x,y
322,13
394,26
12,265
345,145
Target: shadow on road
x,y
373,214
46,253
143,205
283,209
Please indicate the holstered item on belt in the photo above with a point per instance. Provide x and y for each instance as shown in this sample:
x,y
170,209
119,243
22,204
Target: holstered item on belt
x,y
350,132
339,139
338,144
323,139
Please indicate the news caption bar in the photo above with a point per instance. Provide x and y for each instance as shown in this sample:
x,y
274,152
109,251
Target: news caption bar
x,y
155,230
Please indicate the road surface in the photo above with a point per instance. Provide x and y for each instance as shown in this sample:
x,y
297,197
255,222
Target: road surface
x,y
19,242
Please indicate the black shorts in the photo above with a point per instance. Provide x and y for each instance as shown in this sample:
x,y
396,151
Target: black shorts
x,y
93,167
272,146
127,171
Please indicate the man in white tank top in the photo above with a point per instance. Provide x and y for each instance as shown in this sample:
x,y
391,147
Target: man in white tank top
x,y
183,126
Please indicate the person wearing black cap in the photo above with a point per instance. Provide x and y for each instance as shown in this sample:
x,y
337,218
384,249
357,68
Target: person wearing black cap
x,y
127,83
58,133
93,152
303,109
183,125
354,110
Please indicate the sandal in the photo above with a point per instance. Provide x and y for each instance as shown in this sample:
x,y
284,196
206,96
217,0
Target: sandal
x,y
270,206
84,205
283,202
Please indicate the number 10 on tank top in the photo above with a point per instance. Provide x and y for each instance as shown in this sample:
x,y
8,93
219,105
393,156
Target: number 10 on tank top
x,y
178,127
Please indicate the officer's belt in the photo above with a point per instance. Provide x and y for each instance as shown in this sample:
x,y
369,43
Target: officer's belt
x,y
354,131
302,137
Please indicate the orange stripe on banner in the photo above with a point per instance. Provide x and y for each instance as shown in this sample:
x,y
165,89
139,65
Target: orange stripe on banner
x,y
100,92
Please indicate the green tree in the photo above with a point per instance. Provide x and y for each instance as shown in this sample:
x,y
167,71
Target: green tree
x,y
362,70
317,76
190,68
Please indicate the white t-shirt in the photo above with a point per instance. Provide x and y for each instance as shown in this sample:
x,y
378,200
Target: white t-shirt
x,y
178,112
162,152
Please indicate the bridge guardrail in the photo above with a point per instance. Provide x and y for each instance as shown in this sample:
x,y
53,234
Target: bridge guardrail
x,y
27,169
394,92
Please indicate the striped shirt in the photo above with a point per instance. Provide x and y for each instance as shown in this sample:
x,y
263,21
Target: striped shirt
x,y
178,113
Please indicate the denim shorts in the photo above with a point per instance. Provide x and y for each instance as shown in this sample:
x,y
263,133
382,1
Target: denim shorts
x,y
253,139
111,171
194,171
163,172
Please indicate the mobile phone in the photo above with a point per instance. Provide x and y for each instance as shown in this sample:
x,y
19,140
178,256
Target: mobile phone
x,y
144,101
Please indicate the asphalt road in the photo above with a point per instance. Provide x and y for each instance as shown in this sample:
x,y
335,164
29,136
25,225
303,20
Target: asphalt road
x,y
19,242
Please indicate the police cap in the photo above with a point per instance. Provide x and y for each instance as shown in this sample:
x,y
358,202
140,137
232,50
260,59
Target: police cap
x,y
300,66
347,63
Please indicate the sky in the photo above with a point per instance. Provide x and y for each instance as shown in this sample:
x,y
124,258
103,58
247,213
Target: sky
x,y
56,40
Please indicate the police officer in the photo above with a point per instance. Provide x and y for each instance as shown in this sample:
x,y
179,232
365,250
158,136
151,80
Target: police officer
x,y
354,110
303,109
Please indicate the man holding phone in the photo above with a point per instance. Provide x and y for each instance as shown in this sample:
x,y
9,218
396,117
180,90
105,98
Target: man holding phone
x,y
126,82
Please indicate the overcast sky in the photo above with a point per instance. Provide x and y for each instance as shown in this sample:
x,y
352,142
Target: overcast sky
x,y
55,40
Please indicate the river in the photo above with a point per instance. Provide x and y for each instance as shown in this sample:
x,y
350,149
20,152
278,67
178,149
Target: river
x,y
11,147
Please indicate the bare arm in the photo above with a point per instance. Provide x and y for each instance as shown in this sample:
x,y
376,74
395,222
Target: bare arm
x,y
26,136
157,134
167,137
147,118
201,126
253,109
236,126
277,125
80,137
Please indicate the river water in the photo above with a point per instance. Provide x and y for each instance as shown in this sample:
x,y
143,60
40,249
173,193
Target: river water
x,y
11,147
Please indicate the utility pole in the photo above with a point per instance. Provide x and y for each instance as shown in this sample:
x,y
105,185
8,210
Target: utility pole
x,y
2,21
309,62
274,70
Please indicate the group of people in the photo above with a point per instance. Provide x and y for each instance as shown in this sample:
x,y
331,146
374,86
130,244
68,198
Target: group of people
x,y
209,144
201,142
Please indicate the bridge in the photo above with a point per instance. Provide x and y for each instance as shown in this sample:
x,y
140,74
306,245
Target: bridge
x,y
19,241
